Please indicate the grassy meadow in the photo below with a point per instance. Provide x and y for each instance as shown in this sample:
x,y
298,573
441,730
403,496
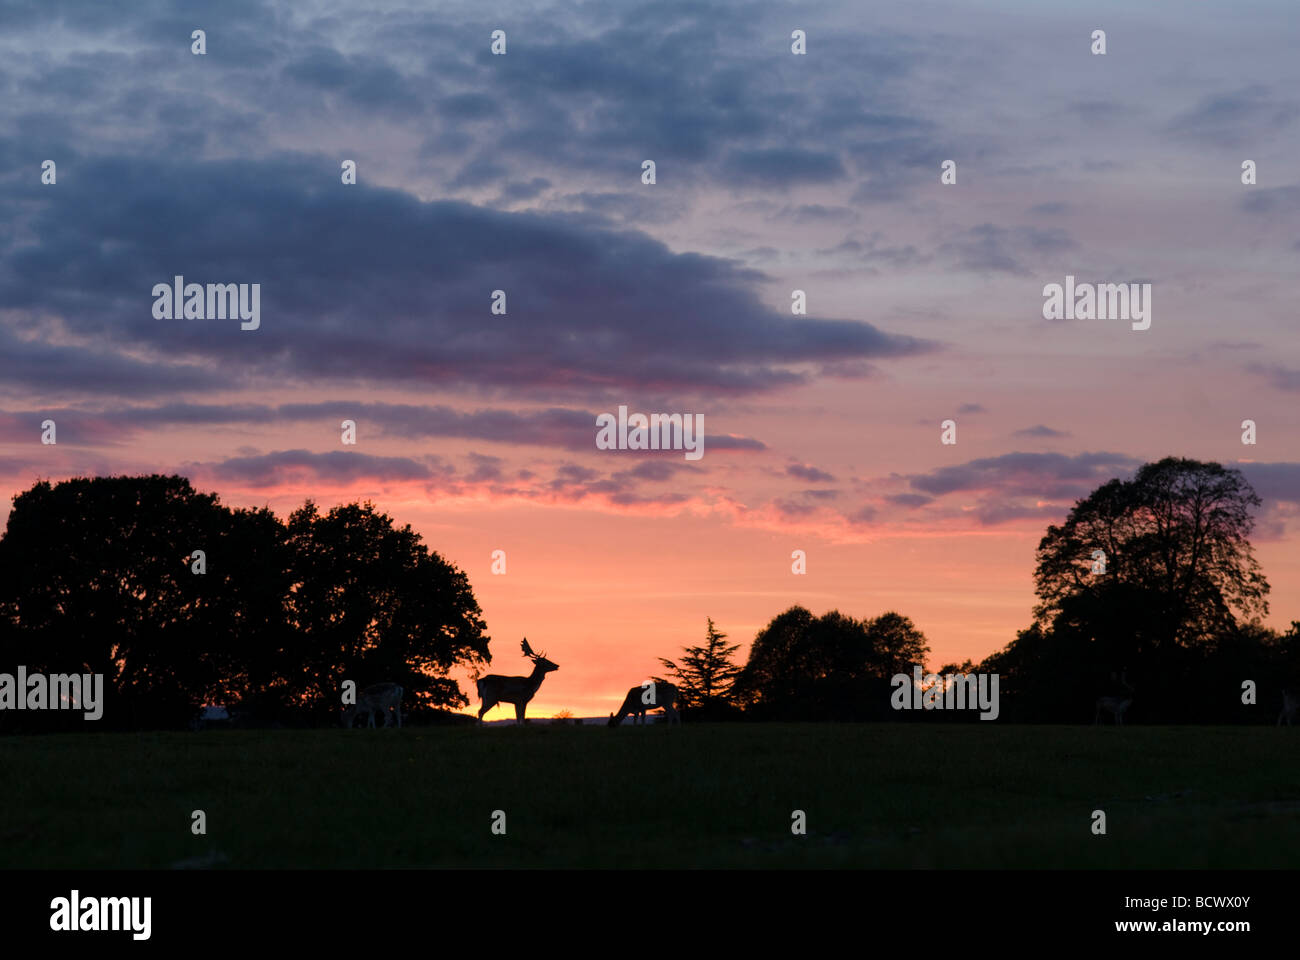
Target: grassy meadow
x,y
885,795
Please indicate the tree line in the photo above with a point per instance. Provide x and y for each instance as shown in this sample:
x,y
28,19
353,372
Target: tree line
x,y
1150,589
178,599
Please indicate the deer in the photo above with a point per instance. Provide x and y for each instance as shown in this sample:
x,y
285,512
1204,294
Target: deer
x,y
385,698
494,689
647,696
1115,706
1290,707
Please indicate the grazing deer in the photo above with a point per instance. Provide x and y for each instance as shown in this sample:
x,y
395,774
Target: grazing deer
x,y
645,697
1115,706
494,689
1290,706
385,698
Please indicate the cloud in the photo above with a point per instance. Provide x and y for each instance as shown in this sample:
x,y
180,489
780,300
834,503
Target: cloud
x,y
988,248
340,471
551,427
1282,378
33,364
820,494
911,500
1040,431
782,166
1273,481
859,248
657,471
809,473
1053,476
373,284
1272,200
341,467
1232,118
1099,113
793,508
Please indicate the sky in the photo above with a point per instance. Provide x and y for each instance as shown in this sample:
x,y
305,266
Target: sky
x,y
774,172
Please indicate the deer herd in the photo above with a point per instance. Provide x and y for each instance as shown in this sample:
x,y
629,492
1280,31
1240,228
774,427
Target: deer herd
x,y
494,689
386,698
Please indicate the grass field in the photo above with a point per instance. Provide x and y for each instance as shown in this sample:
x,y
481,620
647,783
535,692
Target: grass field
x,y
875,795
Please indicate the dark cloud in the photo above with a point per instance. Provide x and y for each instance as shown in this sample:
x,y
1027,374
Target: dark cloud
x,y
782,166
809,473
991,513
794,508
816,213
629,208
870,250
554,427
37,366
1273,481
1272,200
569,482
1053,476
987,248
654,470
485,468
336,466
522,191
1282,378
863,516
908,499
362,283
1039,430
820,494
1234,118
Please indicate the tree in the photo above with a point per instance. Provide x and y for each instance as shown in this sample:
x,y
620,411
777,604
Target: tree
x,y
828,667
896,644
100,575
370,602
1176,606
707,674
779,662
97,576
1175,541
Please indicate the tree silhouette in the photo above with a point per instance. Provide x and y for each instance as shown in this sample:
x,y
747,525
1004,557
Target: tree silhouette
x,y
1176,535
98,575
1177,606
370,602
829,667
707,674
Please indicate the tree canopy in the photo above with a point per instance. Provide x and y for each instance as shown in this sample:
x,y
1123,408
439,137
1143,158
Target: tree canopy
x,y
101,575
1177,535
1152,578
828,667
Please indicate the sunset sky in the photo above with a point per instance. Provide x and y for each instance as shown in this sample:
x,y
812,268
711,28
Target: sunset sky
x,y
774,172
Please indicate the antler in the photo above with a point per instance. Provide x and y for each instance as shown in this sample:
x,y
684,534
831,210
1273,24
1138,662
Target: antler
x,y
528,651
